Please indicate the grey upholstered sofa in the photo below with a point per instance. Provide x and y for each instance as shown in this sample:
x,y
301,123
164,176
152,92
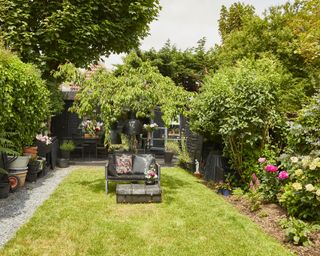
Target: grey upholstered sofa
x,y
140,164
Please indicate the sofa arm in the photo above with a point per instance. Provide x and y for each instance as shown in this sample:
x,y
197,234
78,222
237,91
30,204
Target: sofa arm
x,y
158,170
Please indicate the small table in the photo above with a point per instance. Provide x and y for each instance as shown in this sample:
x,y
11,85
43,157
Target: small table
x,y
138,193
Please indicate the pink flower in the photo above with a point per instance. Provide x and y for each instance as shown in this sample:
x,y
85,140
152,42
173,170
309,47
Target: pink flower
x,y
283,175
261,160
271,168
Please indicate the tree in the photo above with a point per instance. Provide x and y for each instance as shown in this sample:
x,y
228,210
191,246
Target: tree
x,y
233,19
138,88
50,33
24,99
186,68
240,105
274,36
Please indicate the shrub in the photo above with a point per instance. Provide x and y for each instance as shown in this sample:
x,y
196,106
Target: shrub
x,y
67,145
24,99
301,195
298,231
304,133
172,146
240,104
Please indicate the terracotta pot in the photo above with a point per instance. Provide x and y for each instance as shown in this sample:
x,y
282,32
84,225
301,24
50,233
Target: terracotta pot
x,y
30,150
22,174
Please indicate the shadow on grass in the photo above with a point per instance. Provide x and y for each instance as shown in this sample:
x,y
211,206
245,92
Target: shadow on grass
x,y
169,183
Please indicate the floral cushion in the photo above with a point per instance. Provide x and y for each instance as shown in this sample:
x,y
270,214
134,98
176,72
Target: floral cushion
x,y
124,164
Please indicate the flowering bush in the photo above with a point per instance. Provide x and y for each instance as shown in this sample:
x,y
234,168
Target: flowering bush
x,y
151,174
301,195
150,127
44,138
91,126
272,180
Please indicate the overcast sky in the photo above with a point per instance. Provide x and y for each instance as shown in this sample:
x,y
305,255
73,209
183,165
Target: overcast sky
x,y
184,22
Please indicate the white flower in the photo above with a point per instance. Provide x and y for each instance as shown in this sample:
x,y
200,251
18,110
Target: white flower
x,y
294,159
309,187
312,166
298,172
297,186
318,192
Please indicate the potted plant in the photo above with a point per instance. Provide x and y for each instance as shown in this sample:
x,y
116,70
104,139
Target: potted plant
x,y
66,147
151,176
4,184
171,148
224,188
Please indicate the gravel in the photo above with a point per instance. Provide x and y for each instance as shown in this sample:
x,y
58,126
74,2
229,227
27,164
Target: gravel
x,y
19,207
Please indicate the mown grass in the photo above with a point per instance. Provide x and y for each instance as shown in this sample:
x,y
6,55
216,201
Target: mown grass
x,y
79,219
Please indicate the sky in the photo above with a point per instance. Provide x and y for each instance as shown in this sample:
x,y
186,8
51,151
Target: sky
x,y
184,22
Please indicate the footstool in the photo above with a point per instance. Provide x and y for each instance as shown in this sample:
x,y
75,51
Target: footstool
x,y
138,193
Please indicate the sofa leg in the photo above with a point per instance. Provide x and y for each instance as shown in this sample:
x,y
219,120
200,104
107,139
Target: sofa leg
x,y
106,186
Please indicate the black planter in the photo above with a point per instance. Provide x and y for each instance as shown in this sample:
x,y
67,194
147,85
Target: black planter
x,y
168,156
33,167
4,189
63,163
65,154
32,177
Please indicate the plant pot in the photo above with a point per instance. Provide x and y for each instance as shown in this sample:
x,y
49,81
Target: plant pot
x,y
65,154
18,162
168,156
150,182
223,191
32,151
4,189
21,174
33,167
32,177
63,163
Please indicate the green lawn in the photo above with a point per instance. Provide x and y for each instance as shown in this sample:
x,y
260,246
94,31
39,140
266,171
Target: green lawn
x,y
79,219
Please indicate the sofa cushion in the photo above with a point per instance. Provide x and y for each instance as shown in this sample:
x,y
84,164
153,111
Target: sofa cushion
x,y
141,163
124,164
112,165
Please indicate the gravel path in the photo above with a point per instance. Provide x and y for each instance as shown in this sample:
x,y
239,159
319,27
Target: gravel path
x,y
19,207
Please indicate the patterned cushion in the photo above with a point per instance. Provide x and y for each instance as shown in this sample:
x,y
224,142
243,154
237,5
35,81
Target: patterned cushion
x,y
142,163
124,164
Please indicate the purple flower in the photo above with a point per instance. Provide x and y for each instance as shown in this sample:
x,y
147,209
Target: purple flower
x,y
261,160
283,175
271,168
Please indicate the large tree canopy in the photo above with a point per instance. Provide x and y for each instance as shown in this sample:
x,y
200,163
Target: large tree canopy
x,y
49,33
138,88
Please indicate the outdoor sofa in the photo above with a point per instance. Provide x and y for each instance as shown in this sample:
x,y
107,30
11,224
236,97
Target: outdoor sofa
x,y
140,164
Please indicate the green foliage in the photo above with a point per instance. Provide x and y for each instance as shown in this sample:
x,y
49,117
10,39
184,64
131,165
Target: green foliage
x,y
186,68
6,145
238,193
275,35
67,145
54,32
172,146
233,19
255,200
301,196
183,156
137,89
298,231
239,104
304,132
24,99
